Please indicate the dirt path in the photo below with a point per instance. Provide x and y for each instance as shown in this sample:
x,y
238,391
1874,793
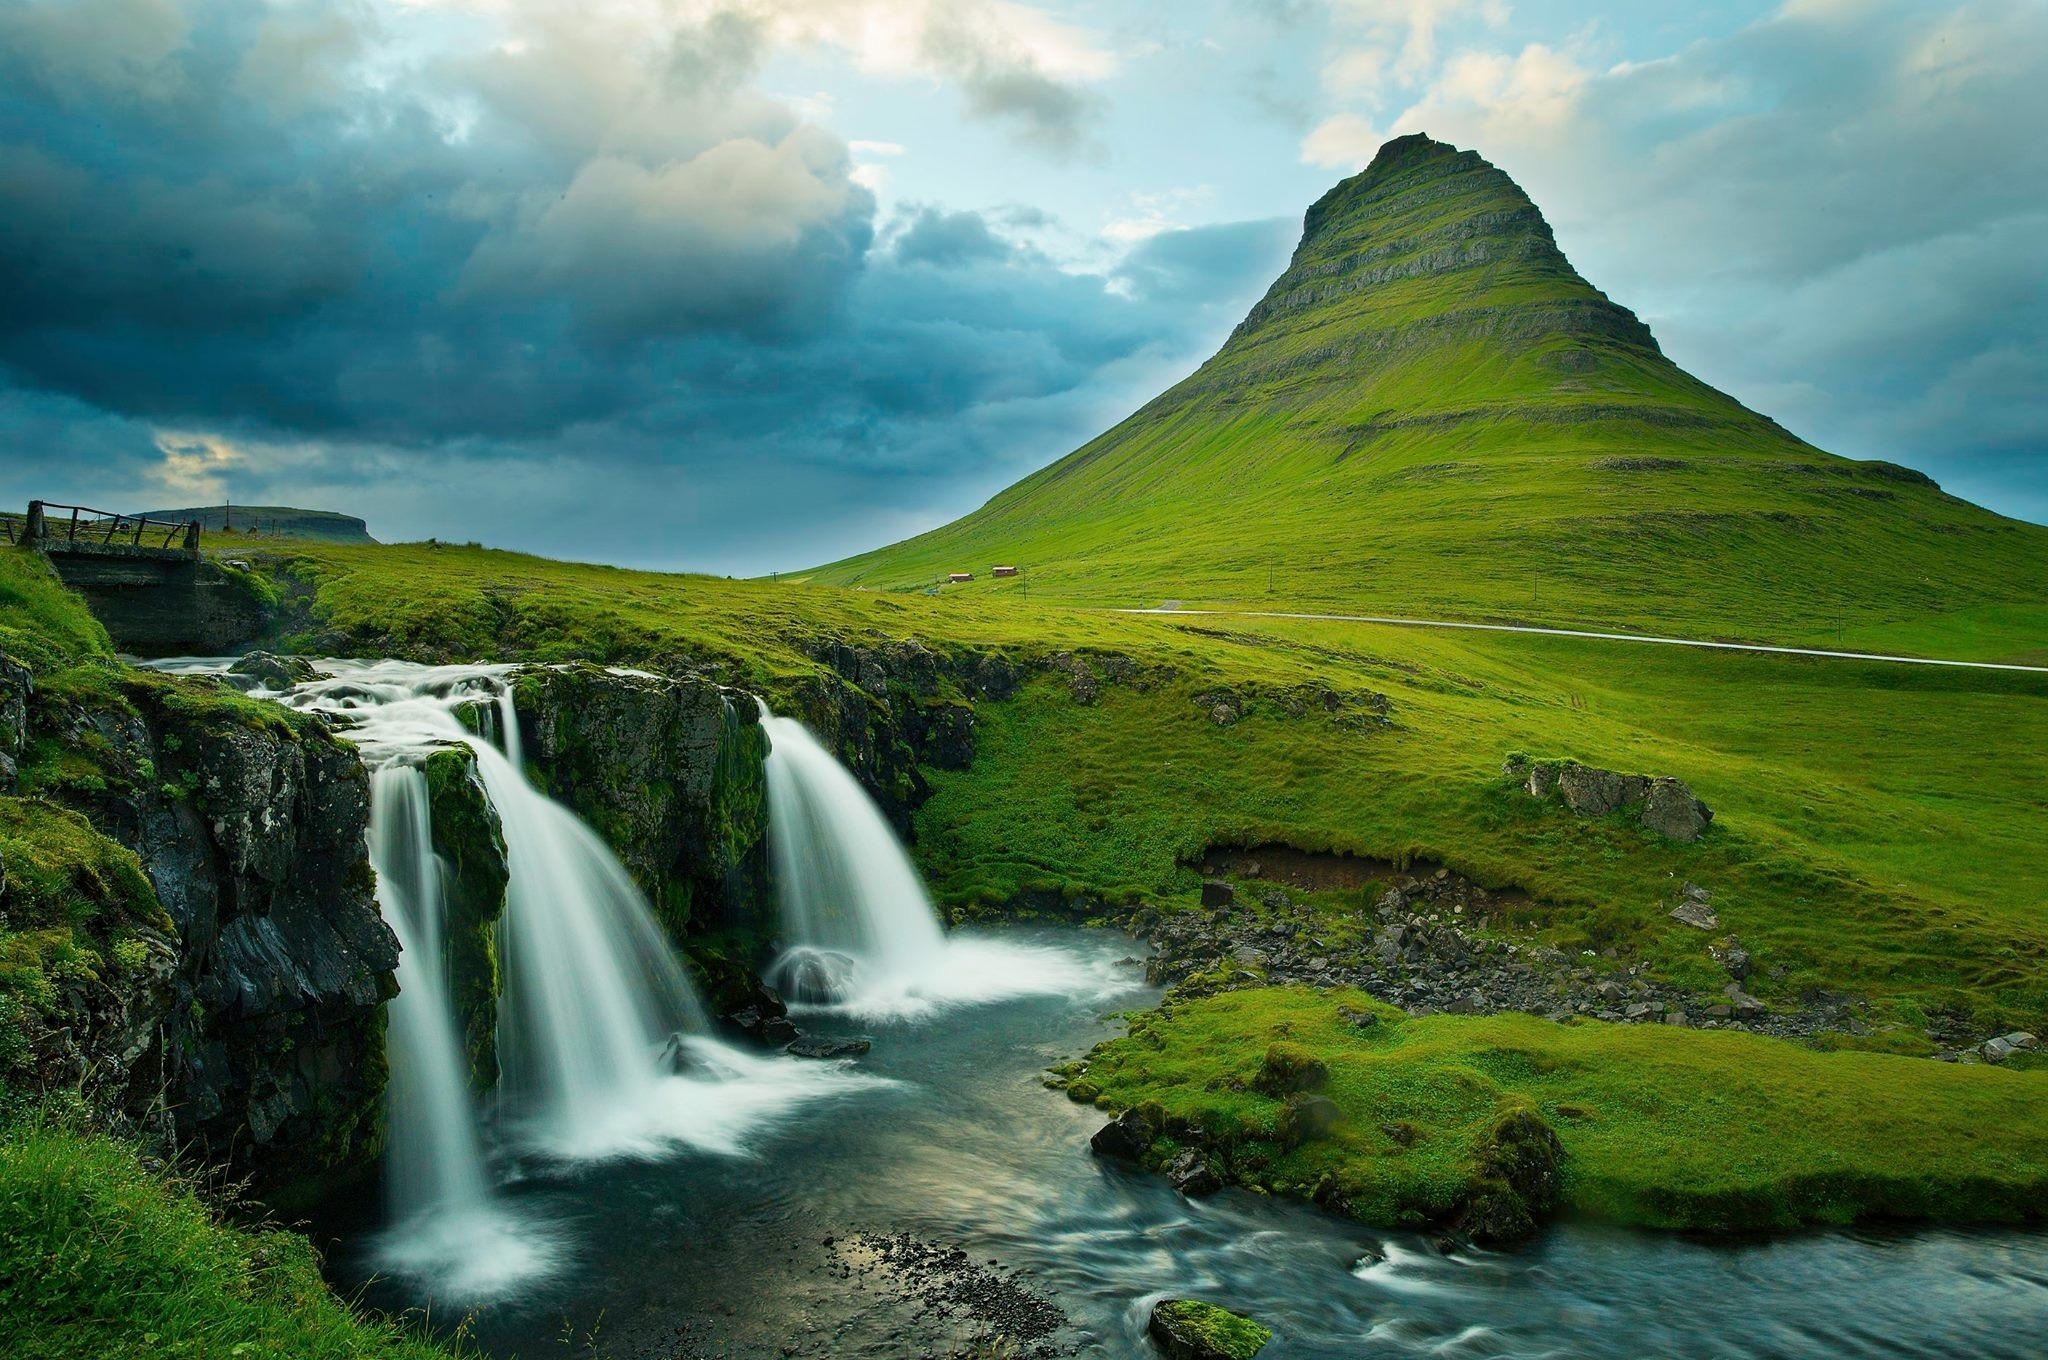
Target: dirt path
x,y
1600,637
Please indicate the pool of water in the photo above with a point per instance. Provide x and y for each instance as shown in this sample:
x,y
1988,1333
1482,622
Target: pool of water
x,y
726,1254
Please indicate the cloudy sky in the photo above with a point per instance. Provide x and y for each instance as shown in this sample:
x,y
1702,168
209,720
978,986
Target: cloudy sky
x,y
742,285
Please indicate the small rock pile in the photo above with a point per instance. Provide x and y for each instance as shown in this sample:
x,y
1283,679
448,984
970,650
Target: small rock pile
x,y
952,1286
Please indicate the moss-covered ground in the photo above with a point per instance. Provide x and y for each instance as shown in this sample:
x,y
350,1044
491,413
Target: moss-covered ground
x,y
1660,1127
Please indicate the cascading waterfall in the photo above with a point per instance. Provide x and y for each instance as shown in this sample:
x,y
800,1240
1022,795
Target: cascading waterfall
x,y
851,901
591,990
435,1160
862,933
602,1042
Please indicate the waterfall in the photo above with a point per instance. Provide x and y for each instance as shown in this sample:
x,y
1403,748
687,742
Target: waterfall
x,y
435,1161
861,930
853,907
591,989
601,1040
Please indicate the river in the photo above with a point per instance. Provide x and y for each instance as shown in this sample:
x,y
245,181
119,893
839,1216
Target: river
x,y
727,1255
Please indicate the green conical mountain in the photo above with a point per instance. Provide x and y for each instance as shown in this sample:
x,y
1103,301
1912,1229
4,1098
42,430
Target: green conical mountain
x,y
1431,412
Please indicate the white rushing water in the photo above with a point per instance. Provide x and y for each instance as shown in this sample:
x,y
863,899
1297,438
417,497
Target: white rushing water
x,y
603,1046
862,934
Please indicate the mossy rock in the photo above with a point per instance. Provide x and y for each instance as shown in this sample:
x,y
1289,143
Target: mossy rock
x,y
1288,1068
1188,1329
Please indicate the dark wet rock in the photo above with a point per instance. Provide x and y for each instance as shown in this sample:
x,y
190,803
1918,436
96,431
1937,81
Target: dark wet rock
x,y
267,1056
1129,1136
669,770
471,844
1187,1329
1189,1172
821,1046
1217,893
772,1030
273,672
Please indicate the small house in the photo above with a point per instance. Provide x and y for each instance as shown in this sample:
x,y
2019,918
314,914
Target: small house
x,y
1002,571
959,577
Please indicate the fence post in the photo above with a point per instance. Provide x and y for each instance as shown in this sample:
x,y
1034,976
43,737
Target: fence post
x,y
192,538
32,528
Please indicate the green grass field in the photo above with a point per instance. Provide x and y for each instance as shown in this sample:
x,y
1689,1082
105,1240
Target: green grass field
x,y
102,1258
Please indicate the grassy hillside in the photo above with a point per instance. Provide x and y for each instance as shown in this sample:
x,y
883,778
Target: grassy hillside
x,y
1431,413
1876,826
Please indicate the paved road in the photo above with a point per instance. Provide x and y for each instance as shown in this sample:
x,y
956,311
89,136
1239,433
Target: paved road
x,y
1602,637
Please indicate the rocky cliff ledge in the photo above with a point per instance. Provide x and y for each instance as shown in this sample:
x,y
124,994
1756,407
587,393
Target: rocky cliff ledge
x,y
251,1027
668,770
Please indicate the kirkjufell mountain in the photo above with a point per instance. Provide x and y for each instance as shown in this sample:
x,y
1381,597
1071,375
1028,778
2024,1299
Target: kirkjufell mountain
x,y
1432,411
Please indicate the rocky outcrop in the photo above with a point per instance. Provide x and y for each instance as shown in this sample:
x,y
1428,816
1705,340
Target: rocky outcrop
x,y
17,686
1664,805
668,770
249,822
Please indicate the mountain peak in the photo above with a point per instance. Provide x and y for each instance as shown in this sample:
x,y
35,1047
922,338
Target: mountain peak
x,y
1425,233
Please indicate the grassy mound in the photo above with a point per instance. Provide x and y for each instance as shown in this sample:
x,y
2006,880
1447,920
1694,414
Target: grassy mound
x,y
1658,1127
102,1258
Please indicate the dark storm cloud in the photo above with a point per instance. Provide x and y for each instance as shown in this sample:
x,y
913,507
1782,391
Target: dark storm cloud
x,y
946,239
267,247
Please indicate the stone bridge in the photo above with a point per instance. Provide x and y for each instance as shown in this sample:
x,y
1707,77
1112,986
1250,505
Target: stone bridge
x,y
145,579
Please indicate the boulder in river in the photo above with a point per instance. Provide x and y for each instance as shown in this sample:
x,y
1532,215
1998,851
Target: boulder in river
x,y
1189,1173
1188,1329
1128,1137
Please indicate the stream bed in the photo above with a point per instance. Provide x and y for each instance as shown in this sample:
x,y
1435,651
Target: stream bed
x,y
906,1218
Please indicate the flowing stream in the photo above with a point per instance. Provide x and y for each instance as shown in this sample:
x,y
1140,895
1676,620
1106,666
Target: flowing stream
x,y
706,1255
